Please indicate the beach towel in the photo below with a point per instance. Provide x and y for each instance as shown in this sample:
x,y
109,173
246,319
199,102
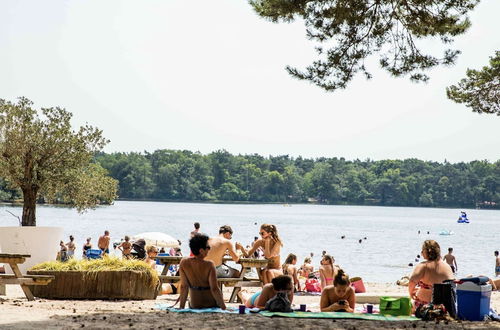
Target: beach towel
x,y
229,310
339,315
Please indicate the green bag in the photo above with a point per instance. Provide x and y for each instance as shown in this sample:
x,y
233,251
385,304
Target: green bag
x,y
395,306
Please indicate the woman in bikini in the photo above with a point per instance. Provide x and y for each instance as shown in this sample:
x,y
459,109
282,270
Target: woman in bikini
x,y
327,270
427,273
271,243
198,277
340,297
306,268
289,268
86,246
281,283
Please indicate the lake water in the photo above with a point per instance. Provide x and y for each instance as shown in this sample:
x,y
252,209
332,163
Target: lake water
x,y
392,232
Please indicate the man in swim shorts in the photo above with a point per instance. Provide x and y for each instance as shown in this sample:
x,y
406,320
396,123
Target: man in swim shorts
x,y
451,260
103,242
219,246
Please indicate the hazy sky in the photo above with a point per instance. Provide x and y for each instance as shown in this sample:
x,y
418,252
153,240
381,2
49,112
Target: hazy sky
x,y
208,75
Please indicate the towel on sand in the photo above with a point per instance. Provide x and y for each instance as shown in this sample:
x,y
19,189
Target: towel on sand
x,y
229,310
339,315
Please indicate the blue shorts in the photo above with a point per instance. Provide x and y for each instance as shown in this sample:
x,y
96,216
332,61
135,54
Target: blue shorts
x,y
253,299
497,269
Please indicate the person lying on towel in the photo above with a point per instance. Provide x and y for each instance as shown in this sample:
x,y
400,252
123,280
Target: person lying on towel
x,y
340,296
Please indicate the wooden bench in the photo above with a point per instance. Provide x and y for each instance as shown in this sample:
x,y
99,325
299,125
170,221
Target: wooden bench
x,y
18,278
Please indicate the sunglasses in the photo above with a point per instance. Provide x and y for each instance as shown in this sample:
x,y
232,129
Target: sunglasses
x,y
262,233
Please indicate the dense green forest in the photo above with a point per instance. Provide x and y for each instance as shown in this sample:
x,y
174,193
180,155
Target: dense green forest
x,y
189,176
221,176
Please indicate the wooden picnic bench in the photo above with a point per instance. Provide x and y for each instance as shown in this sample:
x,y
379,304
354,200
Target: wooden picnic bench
x,y
18,278
237,282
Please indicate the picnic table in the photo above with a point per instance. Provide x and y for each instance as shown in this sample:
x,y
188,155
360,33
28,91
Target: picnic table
x,y
237,282
18,278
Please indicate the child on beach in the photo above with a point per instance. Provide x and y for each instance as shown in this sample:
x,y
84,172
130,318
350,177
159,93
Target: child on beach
x,y
282,283
290,269
327,270
340,297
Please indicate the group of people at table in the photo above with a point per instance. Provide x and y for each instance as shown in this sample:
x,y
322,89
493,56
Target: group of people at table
x,y
199,273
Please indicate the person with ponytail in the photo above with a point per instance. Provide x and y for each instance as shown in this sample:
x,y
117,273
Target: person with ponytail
x,y
289,268
340,296
427,273
327,270
279,284
271,243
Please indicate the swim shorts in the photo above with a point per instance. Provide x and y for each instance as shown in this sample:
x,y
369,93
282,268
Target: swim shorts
x,y
497,269
224,271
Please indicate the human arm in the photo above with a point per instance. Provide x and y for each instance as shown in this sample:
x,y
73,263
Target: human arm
x,y
296,278
214,287
232,251
322,277
250,252
184,286
326,305
415,277
456,265
120,247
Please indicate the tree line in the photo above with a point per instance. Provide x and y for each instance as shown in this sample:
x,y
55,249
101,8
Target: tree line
x,y
183,175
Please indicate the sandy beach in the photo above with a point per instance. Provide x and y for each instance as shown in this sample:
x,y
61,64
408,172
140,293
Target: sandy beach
x,y
18,313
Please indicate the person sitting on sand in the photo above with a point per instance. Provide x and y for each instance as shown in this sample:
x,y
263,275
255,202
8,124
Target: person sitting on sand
x,y
306,268
340,296
198,277
259,299
427,273
271,243
126,248
103,242
290,269
327,270
218,247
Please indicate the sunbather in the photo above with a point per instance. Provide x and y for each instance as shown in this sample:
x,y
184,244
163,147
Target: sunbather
x,y
340,296
427,273
290,269
198,277
259,299
327,270
306,268
271,243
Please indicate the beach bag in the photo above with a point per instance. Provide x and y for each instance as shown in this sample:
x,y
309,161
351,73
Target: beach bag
x,y
431,312
313,285
358,285
395,306
446,294
279,303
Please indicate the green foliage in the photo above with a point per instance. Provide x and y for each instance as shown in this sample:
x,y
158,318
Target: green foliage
x,y
44,158
480,91
348,32
92,267
188,176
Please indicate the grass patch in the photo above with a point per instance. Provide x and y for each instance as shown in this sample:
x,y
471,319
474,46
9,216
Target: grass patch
x,y
94,266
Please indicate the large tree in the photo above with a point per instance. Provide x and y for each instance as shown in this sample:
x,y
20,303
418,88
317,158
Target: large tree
x,y
481,89
45,158
349,31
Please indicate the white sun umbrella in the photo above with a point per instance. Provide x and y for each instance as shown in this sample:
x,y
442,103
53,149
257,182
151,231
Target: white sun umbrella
x,y
157,239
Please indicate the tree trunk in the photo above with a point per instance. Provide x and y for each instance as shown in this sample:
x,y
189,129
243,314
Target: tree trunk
x,y
29,207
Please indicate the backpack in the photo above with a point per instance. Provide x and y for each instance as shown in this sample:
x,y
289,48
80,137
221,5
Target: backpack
x,y
313,285
279,303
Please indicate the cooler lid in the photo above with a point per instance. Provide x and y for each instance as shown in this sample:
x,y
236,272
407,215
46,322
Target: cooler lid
x,y
469,286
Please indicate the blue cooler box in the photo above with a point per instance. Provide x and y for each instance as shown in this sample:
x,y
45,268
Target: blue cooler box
x,y
473,301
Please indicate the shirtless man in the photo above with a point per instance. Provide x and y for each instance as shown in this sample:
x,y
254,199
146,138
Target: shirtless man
x,y
196,229
497,264
451,260
126,248
198,277
103,242
218,247
71,247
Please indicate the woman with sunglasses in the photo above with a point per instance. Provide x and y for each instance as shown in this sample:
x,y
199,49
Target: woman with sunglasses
x,y
271,243
198,277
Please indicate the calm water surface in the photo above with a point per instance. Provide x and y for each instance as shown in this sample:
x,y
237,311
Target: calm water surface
x,y
392,232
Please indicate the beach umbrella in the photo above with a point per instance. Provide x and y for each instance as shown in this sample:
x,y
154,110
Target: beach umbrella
x,y
157,239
